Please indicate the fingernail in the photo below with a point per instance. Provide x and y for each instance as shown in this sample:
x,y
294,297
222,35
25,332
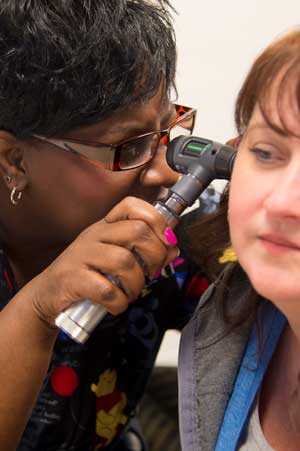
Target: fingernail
x,y
156,275
178,253
132,300
170,237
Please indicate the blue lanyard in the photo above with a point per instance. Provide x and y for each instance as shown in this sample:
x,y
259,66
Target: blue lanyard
x,y
250,377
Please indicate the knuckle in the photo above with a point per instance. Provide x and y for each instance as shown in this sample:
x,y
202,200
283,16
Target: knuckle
x,y
142,230
125,259
107,291
118,308
158,260
130,201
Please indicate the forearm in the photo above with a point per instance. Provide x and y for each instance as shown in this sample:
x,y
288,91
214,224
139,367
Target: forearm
x,y
26,345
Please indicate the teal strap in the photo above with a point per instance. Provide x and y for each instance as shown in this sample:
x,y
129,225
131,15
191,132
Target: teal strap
x,y
250,376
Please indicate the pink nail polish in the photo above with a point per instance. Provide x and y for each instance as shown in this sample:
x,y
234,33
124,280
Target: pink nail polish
x,y
156,275
132,300
170,237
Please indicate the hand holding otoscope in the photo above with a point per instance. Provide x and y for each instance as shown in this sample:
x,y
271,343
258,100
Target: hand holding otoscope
x,y
200,161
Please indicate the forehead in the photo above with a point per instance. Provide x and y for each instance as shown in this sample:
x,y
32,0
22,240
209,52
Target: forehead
x,y
135,119
279,105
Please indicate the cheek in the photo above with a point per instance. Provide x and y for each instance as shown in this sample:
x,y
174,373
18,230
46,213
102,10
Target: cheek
x,y
242,204
69,194
94,192
235,215
237,201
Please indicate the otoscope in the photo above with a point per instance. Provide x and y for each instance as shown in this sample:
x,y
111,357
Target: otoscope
x,y
200,161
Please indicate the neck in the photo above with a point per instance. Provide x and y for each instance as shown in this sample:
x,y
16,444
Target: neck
x,y
293,318
28,263
292,379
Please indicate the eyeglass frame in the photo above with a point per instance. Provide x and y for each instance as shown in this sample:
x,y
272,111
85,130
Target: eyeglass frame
x,y
165,133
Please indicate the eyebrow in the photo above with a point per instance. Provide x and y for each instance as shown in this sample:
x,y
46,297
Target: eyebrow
x,y
261,126
136,128
133,128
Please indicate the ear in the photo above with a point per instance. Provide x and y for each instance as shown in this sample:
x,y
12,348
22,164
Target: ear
x,y
12,167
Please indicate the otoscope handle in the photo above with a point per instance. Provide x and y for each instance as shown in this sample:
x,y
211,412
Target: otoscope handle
x,y
201,161
79,320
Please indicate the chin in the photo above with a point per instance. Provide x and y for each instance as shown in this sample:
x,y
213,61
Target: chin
x,y
266,291
275,287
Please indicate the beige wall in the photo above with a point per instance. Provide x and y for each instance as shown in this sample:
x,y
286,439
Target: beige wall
x,y
217,41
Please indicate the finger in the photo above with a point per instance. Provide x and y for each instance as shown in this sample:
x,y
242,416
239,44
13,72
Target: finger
x,y
121,264
133,208
136,236
62,283
103,291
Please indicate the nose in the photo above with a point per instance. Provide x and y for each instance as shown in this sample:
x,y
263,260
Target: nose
x,y
283,199
157,172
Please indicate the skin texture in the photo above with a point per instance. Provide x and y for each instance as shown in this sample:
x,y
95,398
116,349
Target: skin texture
x,y
73,222
265,189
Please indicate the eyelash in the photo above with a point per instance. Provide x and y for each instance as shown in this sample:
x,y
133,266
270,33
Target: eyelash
x,y
264,156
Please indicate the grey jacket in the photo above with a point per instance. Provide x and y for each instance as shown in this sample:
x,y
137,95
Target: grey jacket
x,y
209,358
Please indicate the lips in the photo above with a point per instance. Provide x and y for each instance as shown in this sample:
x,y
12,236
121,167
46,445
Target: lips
x,y
278,241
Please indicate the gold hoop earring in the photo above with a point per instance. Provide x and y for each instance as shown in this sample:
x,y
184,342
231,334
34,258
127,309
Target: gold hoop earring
x,y
8,178
15,196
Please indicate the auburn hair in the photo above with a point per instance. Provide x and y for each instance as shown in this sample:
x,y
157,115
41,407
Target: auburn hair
x,y
209,236
280,60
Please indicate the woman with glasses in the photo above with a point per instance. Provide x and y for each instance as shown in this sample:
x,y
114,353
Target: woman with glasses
x,y
85,117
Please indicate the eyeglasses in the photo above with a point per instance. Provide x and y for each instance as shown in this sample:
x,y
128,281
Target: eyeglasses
x,y
133,152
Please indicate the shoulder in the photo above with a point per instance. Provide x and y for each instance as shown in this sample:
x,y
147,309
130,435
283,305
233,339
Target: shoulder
x,y
223,299
209,357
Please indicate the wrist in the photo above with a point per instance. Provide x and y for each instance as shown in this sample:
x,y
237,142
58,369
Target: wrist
x,y
31,318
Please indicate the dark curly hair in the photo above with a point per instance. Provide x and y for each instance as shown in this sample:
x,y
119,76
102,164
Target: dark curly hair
x,y
68,63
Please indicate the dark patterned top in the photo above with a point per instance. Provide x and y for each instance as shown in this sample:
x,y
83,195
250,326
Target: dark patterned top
x,y
91,391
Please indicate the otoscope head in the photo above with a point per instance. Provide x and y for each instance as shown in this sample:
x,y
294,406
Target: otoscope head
x,y
201,161
201,156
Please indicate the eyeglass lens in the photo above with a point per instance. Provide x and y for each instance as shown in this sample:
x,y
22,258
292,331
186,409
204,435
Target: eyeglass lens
x,y
136,153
